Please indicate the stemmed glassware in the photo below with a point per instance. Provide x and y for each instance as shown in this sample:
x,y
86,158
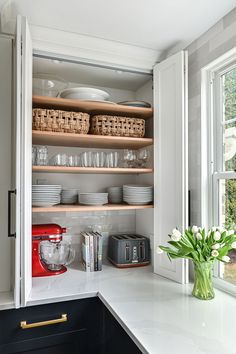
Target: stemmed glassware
x,y
143,157
134,159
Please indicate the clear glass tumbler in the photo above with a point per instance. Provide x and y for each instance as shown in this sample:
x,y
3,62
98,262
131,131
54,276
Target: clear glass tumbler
x,y
42,156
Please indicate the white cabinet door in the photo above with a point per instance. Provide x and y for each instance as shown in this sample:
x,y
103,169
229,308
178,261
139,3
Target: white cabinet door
x,y
171,187
24,156
7,185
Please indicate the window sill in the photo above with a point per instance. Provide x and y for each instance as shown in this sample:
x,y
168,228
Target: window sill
x,y
224,286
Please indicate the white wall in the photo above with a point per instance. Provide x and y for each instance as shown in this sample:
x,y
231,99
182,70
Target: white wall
x,y
215,42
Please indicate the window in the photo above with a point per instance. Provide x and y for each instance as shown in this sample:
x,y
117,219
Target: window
x,y
219,166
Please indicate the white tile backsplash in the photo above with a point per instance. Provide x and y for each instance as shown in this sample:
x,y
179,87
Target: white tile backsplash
x,y
215,42
112,221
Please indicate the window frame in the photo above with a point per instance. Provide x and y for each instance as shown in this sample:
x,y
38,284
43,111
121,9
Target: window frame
x,y
211,152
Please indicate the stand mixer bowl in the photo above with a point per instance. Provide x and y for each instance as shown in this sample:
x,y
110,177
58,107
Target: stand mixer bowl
x,y
56,254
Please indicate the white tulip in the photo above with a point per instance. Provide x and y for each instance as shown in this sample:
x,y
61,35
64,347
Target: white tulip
x,y
176,235
159,250
234,245
217,235
198,236
221,229
226,259
213,228
214,253
216,246
230,232
194,229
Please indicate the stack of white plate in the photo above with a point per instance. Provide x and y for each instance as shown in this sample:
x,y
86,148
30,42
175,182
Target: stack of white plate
x,y
69,196
136,194
115,195
93,198
46,194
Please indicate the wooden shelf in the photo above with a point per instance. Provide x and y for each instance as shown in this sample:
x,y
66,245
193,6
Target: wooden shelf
x,y
82,208
90,170
91,141
91,107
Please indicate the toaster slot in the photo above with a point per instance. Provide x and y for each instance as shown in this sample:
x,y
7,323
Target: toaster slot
x,y
141,251
127,252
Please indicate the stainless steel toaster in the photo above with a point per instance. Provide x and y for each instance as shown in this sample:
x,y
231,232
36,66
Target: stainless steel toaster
x,y
129,250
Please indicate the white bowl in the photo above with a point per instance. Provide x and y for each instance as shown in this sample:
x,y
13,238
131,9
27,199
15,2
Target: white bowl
x,y
85,93
48,85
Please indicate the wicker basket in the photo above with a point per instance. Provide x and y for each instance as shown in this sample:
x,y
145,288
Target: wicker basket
x,y
117,126
60,121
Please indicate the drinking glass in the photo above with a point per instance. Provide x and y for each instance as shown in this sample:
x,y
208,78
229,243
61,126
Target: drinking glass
x,y
143,157
102,158
34,155
42,156
96,159
64,160
86,159
77,159
129,158
112,159
71,161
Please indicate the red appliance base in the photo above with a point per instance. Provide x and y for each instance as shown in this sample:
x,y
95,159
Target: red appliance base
x,y
48,272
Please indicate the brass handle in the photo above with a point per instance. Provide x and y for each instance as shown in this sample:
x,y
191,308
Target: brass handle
x,y
25,325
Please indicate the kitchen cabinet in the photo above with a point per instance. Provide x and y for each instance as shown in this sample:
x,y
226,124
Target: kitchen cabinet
x,y
114,339
10,249
166,131
90,328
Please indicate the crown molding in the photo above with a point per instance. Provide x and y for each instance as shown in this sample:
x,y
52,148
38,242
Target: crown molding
x,y
93,49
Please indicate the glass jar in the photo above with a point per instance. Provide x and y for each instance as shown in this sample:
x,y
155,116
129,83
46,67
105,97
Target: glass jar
x,y
203,287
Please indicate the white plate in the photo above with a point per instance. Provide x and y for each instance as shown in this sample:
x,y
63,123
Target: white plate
x,y
138,203
137,185
54,197
99,101
46,186
102,195
42,204
84,93
136,104
83,203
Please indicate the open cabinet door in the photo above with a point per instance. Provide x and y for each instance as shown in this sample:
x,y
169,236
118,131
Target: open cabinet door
x,y
23,159
170,160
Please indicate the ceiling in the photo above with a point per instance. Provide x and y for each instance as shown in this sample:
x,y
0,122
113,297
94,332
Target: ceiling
x,y
155,24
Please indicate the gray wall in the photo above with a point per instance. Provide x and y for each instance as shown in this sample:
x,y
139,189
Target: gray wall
x,y
215,42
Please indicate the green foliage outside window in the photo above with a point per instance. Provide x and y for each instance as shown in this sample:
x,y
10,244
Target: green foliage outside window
x,y
230,165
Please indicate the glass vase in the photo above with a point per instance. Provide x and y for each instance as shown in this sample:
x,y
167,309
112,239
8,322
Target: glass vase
x,y
203,287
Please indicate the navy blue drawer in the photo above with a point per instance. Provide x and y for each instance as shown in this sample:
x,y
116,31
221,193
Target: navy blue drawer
x,y
81,314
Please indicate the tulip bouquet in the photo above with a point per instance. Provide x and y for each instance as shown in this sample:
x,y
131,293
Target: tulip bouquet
x,y
203,248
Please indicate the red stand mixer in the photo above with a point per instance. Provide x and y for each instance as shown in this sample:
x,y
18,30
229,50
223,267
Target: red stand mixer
x,y
49,252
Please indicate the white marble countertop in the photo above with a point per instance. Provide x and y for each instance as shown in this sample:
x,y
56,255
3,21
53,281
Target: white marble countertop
x,y
160,316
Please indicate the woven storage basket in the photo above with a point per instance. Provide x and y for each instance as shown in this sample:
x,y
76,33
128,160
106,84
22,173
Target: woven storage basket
x,y
117,126
60,121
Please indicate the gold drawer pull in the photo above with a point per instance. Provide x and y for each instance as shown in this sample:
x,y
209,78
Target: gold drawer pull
x,y
25,325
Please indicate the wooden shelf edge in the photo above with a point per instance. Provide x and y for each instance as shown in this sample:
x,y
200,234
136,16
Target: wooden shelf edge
x,y
82,208
88,140
90,170
91,107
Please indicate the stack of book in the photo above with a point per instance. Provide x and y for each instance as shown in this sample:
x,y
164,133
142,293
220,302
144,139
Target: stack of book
x,y
92,251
